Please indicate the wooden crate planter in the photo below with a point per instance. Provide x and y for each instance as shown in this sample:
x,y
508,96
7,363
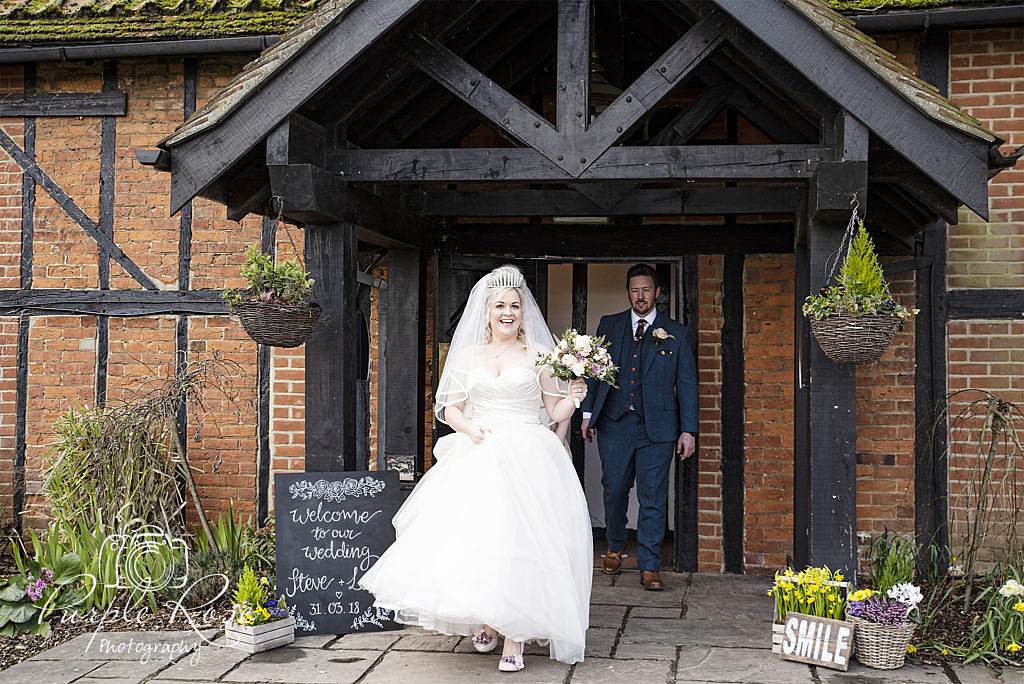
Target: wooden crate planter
x,y
260,637
824,652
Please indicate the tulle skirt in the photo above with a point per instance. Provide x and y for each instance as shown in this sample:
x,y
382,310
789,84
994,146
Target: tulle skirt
x,y
498,534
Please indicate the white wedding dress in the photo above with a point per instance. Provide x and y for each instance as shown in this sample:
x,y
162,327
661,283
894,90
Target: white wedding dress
x,y
496,533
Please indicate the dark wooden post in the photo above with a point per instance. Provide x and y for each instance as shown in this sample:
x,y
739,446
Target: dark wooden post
x,y
330,255
402,374
832,400
579,322
686,539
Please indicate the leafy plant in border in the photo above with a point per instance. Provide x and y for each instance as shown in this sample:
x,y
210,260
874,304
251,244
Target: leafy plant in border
x,y
29,598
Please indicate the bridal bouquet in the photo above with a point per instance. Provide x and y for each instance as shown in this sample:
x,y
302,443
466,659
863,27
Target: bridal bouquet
x,y
580,356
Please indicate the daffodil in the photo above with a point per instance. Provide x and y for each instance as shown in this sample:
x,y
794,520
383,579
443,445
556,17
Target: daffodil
x,y
1012,647
1019,606
911,648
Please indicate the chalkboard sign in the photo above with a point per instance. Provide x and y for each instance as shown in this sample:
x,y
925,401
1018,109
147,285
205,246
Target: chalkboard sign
x,y
331,528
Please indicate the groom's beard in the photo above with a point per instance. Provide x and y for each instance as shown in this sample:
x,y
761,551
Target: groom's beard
x,y
642,309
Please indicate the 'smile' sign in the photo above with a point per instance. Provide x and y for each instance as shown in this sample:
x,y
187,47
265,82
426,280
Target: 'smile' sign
x,y
815,640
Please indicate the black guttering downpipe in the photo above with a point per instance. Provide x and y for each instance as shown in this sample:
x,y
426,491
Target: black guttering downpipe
x,y
159,48
962,17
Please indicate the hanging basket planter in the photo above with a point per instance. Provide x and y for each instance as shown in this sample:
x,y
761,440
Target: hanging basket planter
x,y
276,309
860,287
854,339
277,325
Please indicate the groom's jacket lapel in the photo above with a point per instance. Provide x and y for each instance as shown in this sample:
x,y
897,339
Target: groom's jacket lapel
x,y
625,339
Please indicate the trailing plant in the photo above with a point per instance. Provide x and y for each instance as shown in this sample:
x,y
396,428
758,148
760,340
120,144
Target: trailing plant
x,y
892,559
860,289
285,282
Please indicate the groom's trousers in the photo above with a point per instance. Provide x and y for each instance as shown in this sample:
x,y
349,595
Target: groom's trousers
x,y
627,454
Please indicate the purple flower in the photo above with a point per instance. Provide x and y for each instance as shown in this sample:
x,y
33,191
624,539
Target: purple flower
x,y
879,609
35,589
270,603
278,613
48,574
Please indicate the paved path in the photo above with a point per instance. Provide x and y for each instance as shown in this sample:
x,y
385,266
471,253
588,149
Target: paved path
x,y
702,628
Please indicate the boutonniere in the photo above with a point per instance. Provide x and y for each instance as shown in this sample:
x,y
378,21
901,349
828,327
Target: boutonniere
x,y
660,335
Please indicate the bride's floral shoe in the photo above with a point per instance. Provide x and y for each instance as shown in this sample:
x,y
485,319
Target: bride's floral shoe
x,y
484,642
512,663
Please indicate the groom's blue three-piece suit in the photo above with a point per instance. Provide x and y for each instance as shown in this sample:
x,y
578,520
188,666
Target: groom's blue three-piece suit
x,y
639,422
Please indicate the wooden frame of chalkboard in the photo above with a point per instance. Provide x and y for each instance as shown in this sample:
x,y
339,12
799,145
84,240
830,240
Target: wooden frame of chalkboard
x,y
331,528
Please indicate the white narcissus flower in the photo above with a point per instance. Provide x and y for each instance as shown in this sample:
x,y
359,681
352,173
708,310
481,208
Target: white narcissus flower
x,y
1012,588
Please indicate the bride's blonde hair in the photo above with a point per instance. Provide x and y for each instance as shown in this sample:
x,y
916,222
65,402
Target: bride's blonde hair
x,y
500,281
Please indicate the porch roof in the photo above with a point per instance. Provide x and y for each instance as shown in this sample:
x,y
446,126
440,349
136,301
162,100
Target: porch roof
x,y
842,30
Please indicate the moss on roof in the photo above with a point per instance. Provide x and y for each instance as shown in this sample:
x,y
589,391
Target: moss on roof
x,y
81,21
855,6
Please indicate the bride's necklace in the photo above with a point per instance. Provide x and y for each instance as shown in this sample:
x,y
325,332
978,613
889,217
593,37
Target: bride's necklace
x,y
505,349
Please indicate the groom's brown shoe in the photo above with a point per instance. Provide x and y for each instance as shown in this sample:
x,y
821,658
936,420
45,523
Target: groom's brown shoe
x,y
611,564
651,581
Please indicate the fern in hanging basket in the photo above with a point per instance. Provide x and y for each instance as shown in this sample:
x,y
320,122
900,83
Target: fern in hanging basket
x,y
855,319
275,309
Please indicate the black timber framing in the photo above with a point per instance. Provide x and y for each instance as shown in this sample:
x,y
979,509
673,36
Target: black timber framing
x,y
665,163
930,370
125,303
401,369
28,209
69,206
832,401
572,78
801,398
637,202
579,322
732,397
526,240
106,103
196,163
990,303
264,359
108,150
686,538
331,373
951,159
190,85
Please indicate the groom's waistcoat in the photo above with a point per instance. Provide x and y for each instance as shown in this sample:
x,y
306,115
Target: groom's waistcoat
x,y
630,390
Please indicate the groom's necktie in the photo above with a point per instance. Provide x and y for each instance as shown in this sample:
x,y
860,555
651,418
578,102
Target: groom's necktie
x,y
640,325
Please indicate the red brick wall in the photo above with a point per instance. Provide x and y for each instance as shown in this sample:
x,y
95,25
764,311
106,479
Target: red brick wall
x,y
768,289
709,376
986,78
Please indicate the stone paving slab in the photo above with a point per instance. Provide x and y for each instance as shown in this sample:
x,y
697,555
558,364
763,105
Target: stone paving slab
x,y
724,633
607,616
746,609
605,671
712,664
129,669
38,671
164,646
370,641
727,586
314,641
209,663
303,666
644,650
452,668
600,641
626,593
910,673
427,642
651,612
979,674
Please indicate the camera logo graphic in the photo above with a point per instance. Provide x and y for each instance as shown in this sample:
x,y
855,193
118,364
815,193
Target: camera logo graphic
x,y
148,559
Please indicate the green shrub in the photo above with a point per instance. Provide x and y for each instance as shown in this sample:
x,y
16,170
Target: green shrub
x,y
282,283
860,288
892,561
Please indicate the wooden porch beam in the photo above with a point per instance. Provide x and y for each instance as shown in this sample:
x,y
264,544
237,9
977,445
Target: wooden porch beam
x,y
655,83
572,90
488,98
535,240
640,202
111,302
986,303
106,103
705,162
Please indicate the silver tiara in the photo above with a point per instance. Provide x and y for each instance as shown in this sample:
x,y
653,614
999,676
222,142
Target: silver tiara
x,y
505,276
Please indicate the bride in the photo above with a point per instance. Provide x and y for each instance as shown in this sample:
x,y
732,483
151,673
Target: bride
x,y
496,539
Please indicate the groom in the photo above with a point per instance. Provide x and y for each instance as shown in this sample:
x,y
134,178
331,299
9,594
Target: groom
x,y
640,425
